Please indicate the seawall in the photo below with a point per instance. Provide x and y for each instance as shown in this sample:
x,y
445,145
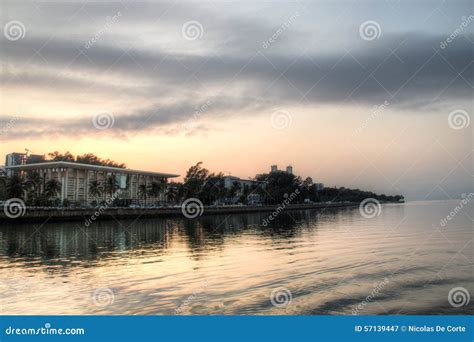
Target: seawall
x,y
32,214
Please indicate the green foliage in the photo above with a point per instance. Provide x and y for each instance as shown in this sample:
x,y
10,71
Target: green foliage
x,y
278,186
234,189
95,188
92,159
56,156
110,185
200,183
87,158
196,178
174,192
15,187
52,188
156,188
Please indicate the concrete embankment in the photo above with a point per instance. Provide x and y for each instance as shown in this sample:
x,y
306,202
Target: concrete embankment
x,y
101,213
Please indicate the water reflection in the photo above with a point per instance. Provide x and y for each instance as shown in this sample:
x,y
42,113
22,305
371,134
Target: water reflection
x,y
330,261
63,240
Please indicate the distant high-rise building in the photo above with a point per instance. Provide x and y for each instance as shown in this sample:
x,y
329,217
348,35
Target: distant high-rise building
x,y
16,158
289,169
274,168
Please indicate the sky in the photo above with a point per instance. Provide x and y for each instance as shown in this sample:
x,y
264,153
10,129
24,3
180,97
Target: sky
x,y
376,95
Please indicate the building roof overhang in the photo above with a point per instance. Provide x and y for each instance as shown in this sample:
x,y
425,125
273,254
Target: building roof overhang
x,y
72,165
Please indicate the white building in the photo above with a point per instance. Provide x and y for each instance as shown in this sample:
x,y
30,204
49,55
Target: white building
x,y
253,197
76,178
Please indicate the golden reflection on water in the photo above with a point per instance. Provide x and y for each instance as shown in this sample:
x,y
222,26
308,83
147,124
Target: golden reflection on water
x,y
329,261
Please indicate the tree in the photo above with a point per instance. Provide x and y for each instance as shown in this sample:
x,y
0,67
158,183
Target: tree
x,y
195,180
110,185
213,189
95,189
56,156
33,186
245,192
156,188
15,187
234,190
52,188
173,192
142,192
90,158
279,184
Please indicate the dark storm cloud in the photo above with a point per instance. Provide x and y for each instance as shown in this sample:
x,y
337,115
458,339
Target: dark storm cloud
x,y
240,76
340,75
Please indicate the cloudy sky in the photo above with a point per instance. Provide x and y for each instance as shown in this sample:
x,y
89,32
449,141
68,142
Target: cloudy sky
x,y
368,94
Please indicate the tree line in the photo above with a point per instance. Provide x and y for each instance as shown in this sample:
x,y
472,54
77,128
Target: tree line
x,y
86,158
199,182
272,188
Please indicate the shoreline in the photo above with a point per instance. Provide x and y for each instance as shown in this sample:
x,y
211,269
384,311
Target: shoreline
x,y
78,214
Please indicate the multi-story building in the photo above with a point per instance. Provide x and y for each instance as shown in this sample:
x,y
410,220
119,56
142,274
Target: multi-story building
x,y
250,184
274,168
16,158
76,180
230,180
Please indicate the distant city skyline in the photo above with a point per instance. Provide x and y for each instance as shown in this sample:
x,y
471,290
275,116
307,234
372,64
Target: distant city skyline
x,y
371,95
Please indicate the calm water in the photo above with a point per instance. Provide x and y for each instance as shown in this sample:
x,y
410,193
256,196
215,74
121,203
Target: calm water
x,y
330,261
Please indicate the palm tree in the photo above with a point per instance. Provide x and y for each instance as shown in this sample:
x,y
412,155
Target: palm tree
x,y
95,189
33,186
142,192
110,185
15,187
156,188
33,181
172,194
234,191
52,188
